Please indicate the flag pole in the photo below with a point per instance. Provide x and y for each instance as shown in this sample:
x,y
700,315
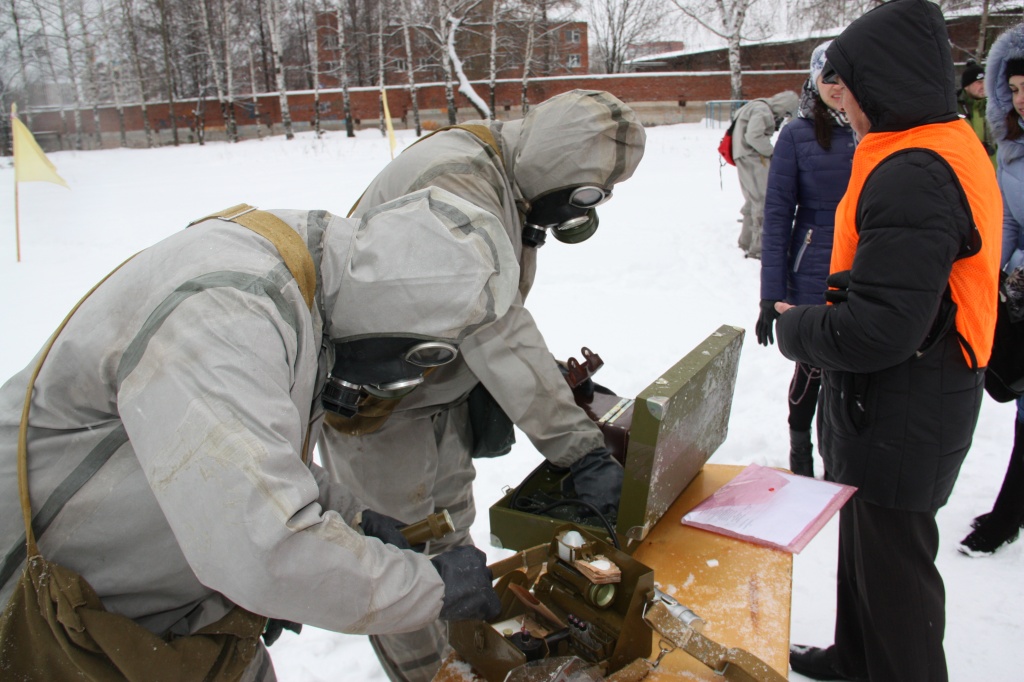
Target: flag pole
x,y
17,213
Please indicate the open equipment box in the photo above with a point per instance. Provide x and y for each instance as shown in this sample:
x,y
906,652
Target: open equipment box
x,y
667,433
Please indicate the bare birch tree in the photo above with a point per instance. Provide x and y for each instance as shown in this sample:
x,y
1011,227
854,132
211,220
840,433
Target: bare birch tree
x,y
726,19
131,32
22,68
616,26
273,19
410,64
169,76
346,101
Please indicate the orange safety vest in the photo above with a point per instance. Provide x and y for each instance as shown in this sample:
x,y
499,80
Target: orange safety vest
x,y
974,280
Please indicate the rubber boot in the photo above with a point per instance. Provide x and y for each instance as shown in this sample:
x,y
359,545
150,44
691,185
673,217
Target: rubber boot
x,y
801,459
1002,525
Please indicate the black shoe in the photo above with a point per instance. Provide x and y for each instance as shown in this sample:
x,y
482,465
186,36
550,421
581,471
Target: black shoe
x,y
978,520
815,662
989,534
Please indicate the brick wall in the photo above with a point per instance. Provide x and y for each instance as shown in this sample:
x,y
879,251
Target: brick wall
x,y
667,90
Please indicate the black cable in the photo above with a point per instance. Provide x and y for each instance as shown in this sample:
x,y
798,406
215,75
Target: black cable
x,y
525,506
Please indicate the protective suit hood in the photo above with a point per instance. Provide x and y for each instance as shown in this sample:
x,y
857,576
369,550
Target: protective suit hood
x,y
897,63
581,137
784,104
426,264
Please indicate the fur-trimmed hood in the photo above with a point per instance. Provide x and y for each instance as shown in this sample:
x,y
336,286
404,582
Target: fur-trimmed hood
x,y
1010,45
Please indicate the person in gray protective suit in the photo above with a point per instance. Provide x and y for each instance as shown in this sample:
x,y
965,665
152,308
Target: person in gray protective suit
x,y
197,373
543,174
756,122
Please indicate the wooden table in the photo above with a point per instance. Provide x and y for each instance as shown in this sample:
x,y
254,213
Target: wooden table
x,y
741,590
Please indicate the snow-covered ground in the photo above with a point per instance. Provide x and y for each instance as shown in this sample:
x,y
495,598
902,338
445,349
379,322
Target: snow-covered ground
x,y
662,272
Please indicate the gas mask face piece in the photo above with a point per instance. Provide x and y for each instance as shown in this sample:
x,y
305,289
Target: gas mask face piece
x,y
386,368
569,214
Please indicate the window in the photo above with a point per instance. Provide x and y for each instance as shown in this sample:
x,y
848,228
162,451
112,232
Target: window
x,y
573,61
399,65
425,63
572,35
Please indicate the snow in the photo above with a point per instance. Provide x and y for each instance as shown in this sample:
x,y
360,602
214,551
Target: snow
x,y
662,273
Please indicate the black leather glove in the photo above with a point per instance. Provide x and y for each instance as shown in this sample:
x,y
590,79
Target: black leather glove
x,y
468,593
765,322
385,529
276,626
839,284
597,478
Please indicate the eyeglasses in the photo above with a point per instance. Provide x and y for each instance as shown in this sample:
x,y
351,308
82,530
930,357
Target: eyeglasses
x,y
829,75
589,196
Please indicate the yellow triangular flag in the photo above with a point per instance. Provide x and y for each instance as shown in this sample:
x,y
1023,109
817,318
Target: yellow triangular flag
x,y
30,163
387,122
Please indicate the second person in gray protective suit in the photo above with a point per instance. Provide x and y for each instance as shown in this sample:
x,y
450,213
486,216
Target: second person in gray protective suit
x,y
543,174
756,122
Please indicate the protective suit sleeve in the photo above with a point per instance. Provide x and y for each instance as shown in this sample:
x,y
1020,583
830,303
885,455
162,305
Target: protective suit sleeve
x,y
759,130
216,414
513,362
336,496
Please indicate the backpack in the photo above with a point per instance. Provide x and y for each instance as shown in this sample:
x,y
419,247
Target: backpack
x,y
725,146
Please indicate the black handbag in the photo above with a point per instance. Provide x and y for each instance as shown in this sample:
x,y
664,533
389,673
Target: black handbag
x,y
1004,378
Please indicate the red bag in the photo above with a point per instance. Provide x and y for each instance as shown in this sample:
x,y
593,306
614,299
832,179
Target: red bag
x,y
725,146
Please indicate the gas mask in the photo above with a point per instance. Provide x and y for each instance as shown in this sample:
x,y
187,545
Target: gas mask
x,y
569,214
382,368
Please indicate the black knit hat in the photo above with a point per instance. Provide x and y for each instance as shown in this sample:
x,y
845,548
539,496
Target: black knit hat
x,y
1015,67
973,72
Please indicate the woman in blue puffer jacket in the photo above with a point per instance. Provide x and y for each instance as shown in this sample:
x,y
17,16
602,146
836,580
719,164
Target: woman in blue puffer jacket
x,y
1004,82
808,176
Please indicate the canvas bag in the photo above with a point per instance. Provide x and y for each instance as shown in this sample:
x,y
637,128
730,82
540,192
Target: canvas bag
x,y
55,628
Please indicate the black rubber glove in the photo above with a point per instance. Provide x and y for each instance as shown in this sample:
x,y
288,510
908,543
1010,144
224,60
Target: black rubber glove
x,y
468,593
597,478
384,528
765,322
276,626
839,283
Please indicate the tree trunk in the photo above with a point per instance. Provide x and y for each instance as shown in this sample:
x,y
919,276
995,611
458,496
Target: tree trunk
x,y
76,85
982,31
91,77
21,61
735,68
53,74
230,123
275,42
528,61
211,57
316,80
410,67
252,85
346,101
380,64
493,66
165,39
129,19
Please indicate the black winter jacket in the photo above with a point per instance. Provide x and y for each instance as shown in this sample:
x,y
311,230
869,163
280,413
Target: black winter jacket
x,y
899,403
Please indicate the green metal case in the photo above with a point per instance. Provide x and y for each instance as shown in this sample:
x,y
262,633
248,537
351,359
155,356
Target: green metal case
x,y
677,423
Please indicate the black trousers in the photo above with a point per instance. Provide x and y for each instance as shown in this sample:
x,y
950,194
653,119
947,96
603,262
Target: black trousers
x,y
803,396
891,603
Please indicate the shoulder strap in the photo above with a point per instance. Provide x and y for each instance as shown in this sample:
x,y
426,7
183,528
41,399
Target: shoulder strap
x,y
286,240
478,130
26,502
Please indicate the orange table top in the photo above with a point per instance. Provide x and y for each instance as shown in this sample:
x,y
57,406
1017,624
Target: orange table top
x,y
741,590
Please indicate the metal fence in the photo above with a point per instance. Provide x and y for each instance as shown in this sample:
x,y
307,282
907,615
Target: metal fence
x,y
718,113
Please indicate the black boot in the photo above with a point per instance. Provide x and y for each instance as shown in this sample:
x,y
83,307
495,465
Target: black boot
x,y
801,459
1001,526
